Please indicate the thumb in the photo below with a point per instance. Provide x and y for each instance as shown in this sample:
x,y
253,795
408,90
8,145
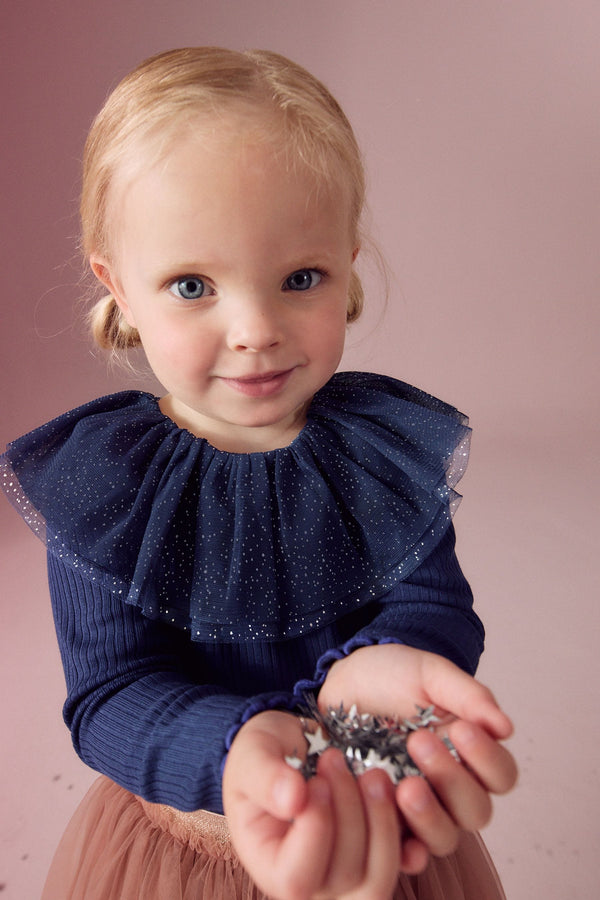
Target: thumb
x,y
256,769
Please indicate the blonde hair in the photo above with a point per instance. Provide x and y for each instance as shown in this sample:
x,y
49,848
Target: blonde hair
x,y
151,102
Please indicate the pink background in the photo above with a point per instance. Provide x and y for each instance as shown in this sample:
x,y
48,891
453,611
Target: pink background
x,y
480,126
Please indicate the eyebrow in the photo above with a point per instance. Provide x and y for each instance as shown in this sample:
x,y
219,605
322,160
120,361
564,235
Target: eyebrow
x,y
309,258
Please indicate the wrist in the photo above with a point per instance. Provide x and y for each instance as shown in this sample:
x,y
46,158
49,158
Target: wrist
x,y
342,681
380,679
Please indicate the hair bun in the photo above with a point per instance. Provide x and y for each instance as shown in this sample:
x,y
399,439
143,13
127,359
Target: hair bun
x,y
109,328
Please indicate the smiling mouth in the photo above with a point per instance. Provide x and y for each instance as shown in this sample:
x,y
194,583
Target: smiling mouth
x,y
260,385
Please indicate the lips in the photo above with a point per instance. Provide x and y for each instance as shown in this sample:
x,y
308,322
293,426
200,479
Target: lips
x,y
264,376
260,385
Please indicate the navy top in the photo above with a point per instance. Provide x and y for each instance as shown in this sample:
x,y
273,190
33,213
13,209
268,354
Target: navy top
x,y
193,588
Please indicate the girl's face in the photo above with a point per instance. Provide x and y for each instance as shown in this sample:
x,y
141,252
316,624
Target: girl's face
x,y
235,273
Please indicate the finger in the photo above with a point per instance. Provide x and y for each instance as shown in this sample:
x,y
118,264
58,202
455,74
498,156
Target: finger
x,y
274,786
414,855
349,851
461,795
300,862
431,825
456,691
383,858
493,764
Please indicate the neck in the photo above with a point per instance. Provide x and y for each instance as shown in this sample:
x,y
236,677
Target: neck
x,y
232,438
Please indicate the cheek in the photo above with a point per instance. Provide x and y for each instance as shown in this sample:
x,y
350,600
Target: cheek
x,y
328,336
177,350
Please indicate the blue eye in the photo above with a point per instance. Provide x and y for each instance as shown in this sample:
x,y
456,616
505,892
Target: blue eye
x,y
302,280
189,288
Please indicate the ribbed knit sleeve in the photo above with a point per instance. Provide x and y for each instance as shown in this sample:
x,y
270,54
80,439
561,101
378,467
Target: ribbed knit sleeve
x,y
431,610
134,713
149,707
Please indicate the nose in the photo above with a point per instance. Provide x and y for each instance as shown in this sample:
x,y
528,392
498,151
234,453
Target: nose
x,y
254,327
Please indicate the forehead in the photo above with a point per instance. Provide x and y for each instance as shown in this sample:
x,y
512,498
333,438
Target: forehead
x,y
238,126
229,194
244,137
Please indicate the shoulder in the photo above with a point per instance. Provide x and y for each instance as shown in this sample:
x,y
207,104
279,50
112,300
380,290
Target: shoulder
x,y
63,463
369,392
398,421
102,428
109,409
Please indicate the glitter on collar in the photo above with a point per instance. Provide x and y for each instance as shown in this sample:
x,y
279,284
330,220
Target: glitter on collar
x,y
250,546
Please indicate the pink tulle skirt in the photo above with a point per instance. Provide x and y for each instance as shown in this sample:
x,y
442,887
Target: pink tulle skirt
x,y
119,847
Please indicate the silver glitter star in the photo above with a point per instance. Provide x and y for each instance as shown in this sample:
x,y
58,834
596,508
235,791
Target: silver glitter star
x,y
317,742
366,741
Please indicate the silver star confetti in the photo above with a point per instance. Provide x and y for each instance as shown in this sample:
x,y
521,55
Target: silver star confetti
x,y
317,742
367,742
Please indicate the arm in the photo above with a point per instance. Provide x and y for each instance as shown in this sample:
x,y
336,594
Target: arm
x,y
134,715
418,648
423,648
432,610
133,712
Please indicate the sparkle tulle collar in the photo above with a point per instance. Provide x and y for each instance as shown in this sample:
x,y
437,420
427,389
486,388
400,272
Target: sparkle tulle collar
x,y
242,546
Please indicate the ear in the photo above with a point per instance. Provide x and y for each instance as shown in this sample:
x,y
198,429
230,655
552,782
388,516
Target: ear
x,y
104,272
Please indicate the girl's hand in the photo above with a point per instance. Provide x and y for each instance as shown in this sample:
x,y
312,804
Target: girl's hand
x,y
333,836
389,679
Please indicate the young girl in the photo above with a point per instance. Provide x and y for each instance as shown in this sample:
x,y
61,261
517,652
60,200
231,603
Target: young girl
x,y
265,530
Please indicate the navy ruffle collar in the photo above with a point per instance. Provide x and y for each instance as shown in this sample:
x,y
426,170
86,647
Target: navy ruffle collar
x,y
244,546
